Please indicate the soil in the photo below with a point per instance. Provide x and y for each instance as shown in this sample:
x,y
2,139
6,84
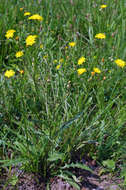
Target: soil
x,y
19,180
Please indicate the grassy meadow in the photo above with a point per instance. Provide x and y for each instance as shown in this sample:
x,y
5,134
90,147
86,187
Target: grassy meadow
x,y
62,85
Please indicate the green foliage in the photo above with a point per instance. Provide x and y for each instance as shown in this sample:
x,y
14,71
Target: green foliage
x,y
110,164
47,114
123,174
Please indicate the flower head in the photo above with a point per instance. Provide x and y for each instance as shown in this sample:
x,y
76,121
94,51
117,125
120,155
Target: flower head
x,y
55,61
9,73
10,33
19,54
103,6
36,17
81,60
103,60
45,56
97,70
58,66
100,36
92,73
81,71
27,13
41,46
104,77
61,60
120,63
72,44
21,71
21,9
17,38
30,40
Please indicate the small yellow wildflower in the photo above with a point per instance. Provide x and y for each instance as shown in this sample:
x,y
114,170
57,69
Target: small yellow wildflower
x,y
61,60
120,63
81,71
17,38
103,60
45,56
92,73
81,60
55,61
21,71
30,40
9,73
72,44
58,66
97,70
19,54
21,9
10,33
104,77
36,17
41,46
100,36
103,6
27,13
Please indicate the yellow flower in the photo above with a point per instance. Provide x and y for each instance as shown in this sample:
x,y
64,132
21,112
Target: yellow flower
x,y
104,77
97,70
21,9
45,56
61,60
92,73
81,71
17,38
72,44
120,63
30,40
103,6
35,17
41,46
81,60
9,73
10,33
21,71
103,60
55,61
100,36
27,13
19,54
58,66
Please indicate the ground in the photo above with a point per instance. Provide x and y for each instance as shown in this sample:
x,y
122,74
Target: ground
x,y
89,181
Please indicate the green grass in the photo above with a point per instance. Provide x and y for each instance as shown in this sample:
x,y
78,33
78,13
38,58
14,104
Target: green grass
x,y
48,114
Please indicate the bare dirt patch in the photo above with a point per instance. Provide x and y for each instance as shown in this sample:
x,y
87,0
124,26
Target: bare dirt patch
x,y
89,181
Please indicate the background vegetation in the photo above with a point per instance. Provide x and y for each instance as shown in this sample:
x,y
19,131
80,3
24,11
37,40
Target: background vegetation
x,y
48,110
